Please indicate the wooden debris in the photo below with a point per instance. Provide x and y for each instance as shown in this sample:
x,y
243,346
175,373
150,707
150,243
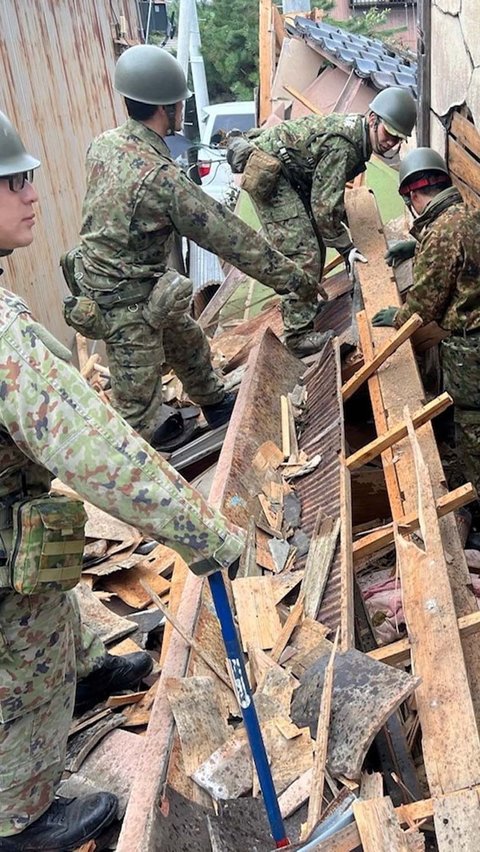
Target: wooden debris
x,y
267,455
102,621
139,714
450,812
378,826
248,558
319,559
177,582
127,584
257,615
201,724
315,803
188,639
396,433
451,744
82,743
125,700
371,786
283,584
288,628
280,551
286,431
296,794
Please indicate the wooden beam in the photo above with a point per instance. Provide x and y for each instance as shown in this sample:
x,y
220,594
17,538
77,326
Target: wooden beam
x,y
450,739
278,26
370,367
302,99
383,442
293,618
390,390
398,653
378,826
463,165
266,56
465,133
378,539
321,748
347,623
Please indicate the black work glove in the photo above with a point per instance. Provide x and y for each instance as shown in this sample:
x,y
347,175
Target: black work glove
x,y
398,251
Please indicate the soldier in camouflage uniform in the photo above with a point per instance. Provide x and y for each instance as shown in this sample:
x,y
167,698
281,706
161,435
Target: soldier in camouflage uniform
x,y
137,198
446,287
51,424
303,210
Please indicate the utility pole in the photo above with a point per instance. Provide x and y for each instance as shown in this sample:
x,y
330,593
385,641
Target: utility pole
x,y
190,48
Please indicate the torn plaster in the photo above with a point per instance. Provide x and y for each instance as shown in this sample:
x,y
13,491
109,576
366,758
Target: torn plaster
x,y
473,96
470,24
451,64
449,7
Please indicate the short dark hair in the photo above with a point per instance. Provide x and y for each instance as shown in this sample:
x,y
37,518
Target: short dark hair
x,y
140,111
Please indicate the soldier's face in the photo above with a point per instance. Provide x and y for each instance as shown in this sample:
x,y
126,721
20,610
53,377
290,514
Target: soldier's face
x,y
17,216
385,140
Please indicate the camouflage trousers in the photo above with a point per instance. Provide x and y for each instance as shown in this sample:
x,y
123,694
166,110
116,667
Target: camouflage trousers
x,y
43,650
461,378
137,354
289,229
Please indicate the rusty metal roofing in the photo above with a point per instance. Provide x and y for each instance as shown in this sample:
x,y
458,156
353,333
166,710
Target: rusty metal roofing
x,y
321,488
56,66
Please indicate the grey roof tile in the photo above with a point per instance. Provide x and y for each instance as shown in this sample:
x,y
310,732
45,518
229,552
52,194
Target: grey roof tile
x,y
369,58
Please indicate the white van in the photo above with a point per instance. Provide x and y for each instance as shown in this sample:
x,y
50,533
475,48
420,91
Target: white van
x,y
219,119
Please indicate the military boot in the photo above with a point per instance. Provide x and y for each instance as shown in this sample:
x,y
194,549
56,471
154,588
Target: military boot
x,y
115,675
309,343
220,412
68,824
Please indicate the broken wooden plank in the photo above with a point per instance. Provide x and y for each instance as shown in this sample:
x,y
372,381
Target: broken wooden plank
x,y
106,624
294,617
200,721
315,804
378,826
394,435
380,538
397,386
320,556
285,422
296,794
452,811
371,366
186,638
258,619
450,739
398,653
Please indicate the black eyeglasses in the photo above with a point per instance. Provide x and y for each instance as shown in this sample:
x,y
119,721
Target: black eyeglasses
x,y
17,182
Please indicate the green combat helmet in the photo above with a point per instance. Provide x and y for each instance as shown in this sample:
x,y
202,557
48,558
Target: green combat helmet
x,y
419,161
397,110
150,75
14,159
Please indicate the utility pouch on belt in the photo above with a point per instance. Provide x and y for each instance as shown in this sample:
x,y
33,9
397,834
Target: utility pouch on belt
x,y
84,315
48,542
261,174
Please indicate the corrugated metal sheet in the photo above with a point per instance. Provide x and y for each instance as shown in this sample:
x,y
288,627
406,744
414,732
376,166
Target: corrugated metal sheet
x,y
56,65
321,489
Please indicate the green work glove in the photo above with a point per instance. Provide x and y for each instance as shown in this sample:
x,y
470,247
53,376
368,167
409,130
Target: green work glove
x,y
386,316
398,251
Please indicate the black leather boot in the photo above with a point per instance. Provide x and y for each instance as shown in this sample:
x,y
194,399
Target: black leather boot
x,y
116,674
220,412
67,824
309,343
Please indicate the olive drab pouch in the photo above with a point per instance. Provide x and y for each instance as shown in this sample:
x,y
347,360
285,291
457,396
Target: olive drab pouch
x,y
84,315
48,542
261,174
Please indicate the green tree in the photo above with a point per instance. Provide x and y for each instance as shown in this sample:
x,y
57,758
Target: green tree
x,y
229,33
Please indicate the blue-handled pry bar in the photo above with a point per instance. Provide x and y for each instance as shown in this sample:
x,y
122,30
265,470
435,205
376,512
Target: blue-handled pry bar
x,y
245,699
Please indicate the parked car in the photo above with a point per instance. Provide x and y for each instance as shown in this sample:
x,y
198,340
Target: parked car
x,y
219,120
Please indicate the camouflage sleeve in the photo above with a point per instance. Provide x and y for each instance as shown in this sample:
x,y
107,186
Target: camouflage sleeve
x,y
214,227
434,278
328,189
57,420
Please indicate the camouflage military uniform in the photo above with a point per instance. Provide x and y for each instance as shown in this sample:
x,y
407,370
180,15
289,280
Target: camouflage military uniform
x,y
305,212
52,424
446,289
136,199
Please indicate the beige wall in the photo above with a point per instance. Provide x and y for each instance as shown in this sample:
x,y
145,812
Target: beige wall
x,y
56,65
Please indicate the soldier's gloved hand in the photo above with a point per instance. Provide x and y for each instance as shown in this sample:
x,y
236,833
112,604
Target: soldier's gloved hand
x,y
351,255
301,286
386,316
171,296
398,251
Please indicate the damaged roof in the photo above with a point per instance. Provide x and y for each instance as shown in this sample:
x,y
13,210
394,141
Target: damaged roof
x,y
368,58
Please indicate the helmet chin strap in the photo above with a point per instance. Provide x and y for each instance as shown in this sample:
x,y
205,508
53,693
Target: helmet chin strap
x,y
171,111
376,147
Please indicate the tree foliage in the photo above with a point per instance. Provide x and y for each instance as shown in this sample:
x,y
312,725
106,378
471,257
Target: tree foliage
x,y
229,33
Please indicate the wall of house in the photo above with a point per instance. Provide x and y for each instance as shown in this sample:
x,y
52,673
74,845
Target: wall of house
x,y
56,66
455,89
403,16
